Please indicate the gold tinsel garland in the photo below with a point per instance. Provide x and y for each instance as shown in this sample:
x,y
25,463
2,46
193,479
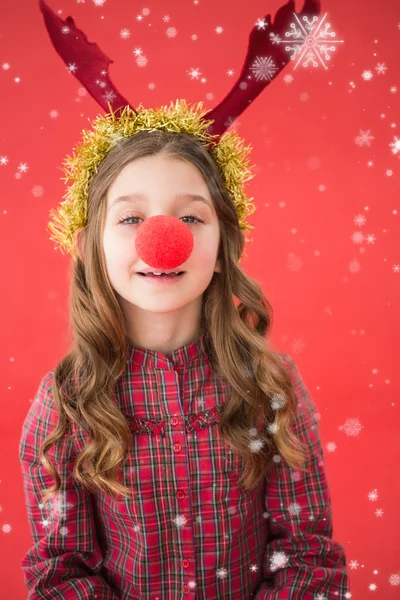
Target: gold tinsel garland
x,y
231,156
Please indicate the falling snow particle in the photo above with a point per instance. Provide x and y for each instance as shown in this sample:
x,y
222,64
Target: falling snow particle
x,y
364,138
264,68
367,75
37,191
141,61
279,560
395,145
381,68
352,427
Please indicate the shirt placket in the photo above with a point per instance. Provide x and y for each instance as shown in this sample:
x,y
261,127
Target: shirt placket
x,y
176,437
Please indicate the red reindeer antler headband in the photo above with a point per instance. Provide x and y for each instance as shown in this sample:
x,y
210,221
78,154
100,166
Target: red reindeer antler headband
x,y
263,63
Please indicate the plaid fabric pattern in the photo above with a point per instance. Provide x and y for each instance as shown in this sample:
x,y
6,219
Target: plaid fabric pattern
x,y
189,531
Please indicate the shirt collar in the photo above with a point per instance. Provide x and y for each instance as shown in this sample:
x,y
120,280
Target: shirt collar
x,y
148,359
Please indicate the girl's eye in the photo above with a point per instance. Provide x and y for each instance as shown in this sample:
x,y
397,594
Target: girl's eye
x,y
123,221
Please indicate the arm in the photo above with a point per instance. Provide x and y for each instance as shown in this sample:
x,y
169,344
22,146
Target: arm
x,y
65,559
301,560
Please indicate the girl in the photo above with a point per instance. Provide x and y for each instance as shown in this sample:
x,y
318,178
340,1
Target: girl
x,y
172,453
169,380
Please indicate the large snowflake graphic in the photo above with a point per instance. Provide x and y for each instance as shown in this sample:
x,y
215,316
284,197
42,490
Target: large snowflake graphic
x,y
313,41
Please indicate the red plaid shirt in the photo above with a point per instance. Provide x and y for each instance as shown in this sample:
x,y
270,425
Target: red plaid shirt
x,y
190,531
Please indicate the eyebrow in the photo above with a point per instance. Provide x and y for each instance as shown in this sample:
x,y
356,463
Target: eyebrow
x,y
139,197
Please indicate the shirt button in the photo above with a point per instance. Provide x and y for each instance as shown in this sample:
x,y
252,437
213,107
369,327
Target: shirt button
x,y
180,495
185,589
177,447
174,421
185,563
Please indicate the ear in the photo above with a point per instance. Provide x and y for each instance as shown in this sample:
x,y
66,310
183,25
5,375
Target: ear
x,y
218,267
79,240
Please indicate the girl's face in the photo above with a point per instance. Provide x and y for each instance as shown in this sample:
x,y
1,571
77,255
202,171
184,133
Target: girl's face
x,y
159,180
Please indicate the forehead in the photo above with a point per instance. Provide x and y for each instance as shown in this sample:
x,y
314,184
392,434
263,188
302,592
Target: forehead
x,y
155,177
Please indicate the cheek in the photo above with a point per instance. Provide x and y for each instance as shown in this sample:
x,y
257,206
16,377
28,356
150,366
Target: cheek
x,y
119,250
206,249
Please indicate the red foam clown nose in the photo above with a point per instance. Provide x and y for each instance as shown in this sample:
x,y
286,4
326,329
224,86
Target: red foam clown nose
x,y
164,242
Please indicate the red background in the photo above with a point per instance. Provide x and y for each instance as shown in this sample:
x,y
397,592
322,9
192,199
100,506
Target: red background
x,y
325,246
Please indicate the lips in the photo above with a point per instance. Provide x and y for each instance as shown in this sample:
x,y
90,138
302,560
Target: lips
x,y
178,274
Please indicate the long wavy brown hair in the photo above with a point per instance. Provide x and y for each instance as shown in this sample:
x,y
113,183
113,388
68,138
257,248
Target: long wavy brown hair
x,y
236,318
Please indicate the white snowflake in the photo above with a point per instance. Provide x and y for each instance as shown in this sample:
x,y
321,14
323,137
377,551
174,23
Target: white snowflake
x,y
373,496
109,96
37,191
395,145
364,138
180,520
279,560
367,75
23,167
352,427
264,68
360,220
256,445
194,73
353,564
381,68
124,34
312,41
222,573
261,24
273,427
294,509
278,401
171,32
141,61
394,579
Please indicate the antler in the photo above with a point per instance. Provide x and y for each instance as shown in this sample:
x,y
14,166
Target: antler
x,y
264,61
84,59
